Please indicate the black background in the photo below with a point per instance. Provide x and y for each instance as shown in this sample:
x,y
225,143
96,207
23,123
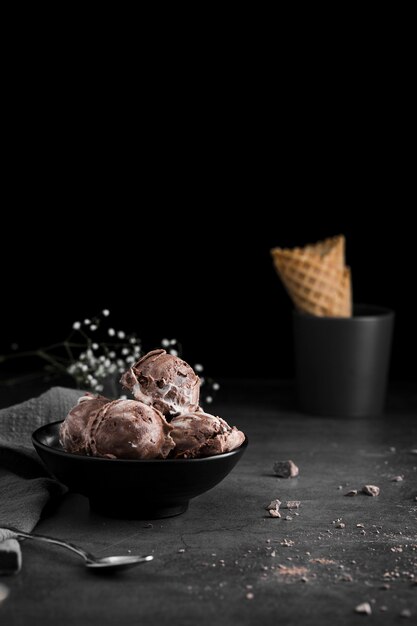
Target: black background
x,y
199,269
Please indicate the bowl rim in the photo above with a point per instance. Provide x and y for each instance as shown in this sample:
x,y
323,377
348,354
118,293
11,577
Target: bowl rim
x,y
99,459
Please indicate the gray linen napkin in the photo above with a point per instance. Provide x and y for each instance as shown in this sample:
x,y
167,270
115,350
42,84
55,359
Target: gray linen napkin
x,y
25,487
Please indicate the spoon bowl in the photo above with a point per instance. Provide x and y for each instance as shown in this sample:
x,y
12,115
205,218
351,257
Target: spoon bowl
x,y
107,563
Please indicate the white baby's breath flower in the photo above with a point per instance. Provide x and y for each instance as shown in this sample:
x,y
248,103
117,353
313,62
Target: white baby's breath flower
x,y
112,354
132,340
76,325
130,359
94,346
99,387
120,363
121,334
111,332
107,363
89,354
93,327
72,368
209,399
173,352
165,343
105,312
123,397
198,367
102,358
125,351
202,380
173,342
87,322
84,367
216,386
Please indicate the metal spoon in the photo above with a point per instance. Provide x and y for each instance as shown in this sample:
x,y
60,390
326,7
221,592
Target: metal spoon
x,y
108,562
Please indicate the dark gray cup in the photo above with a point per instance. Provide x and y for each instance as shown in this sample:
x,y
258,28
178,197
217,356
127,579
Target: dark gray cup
x,y
342,363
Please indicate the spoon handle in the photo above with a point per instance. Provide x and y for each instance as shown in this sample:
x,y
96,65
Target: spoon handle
x,y
58,542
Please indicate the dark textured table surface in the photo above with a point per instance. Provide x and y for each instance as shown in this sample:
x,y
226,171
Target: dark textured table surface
x,y
226,561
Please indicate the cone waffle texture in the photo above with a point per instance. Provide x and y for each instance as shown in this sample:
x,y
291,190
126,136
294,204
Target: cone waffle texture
x,y
316,277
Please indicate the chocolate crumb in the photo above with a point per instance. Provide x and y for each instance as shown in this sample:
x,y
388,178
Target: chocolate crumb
x,y
288,518
360,525
273,505
397,479
364,608
292,504
371,490
286,469
287,543
274,513
351,493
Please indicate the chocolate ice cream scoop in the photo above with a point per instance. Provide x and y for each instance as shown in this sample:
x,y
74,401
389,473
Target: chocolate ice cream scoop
x,y
127,429
75,428
164,381
201,434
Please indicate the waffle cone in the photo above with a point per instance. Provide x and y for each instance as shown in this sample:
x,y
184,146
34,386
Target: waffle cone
x,y
316,286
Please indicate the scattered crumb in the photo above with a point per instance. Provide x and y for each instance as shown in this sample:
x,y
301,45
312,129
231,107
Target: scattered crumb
x,y
397,479
292,504
383,608
413,451
364,608
273,553
250,595
360,525
181,550
340,487
371,490
340,525
148,525
323,561
396,549
286,469
288,518
274,513
393,449
405,613
287,543
304,579
274,504
363,532
284,570
385,586
346,578
351,493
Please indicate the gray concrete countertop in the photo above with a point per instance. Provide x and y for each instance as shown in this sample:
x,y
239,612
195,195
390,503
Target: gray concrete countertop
x,y
226,561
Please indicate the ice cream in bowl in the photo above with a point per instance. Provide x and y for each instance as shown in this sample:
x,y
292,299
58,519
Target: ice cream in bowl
x,y
145,457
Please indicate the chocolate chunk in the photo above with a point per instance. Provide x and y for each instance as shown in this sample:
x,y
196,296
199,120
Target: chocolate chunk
x,y
274,505
286,469
364,608
371,490
292,504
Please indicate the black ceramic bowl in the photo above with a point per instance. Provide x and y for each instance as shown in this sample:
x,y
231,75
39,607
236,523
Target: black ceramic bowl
x,y
129,488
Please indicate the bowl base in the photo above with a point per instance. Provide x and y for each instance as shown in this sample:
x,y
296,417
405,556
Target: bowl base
x,y
145,510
